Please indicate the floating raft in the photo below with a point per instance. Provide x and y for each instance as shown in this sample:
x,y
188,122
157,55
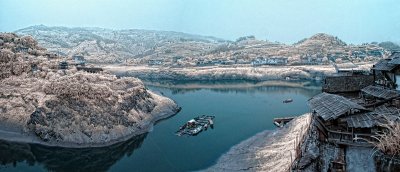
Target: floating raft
x,y
196,125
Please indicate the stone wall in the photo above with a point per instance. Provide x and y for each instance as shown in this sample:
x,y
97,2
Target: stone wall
x,y
337,84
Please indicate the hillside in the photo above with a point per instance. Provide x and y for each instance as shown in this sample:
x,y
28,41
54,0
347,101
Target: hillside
x,y
147,47
43,102
110,46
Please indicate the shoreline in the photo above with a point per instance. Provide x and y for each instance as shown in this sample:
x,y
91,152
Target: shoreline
x,y
233,84
31,138
217,73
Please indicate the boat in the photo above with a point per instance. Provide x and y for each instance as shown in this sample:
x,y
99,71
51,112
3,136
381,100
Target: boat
x,y
288,101
196,125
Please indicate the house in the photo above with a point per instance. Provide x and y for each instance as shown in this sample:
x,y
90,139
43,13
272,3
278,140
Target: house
x,y
387,71
375,53
355,120
175,59
335,116
242,61
359,54
63,65
277,61
349,69
90,69
79,60
155,62
374,95
216,62
228,62
21,49
363,126
51,55
269,61
259,61
203,62
34,67
311,59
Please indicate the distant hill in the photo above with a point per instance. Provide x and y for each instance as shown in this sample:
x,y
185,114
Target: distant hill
x,y
390,46
106,45
135,46
321,39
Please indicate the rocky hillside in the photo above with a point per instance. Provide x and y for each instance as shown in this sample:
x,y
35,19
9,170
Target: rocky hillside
x,y
180,49
42,103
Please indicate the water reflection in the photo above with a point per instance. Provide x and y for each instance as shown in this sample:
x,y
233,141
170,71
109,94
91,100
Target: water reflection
x,y
307,88
67,159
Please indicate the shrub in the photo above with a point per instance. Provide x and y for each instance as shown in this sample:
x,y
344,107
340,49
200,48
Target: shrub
x,y
389,141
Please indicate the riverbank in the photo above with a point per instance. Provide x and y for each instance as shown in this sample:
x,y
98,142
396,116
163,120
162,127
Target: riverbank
x,y
260,73
267,151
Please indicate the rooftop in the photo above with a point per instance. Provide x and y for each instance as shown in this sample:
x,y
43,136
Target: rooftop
x,y
331,106
384,65
364,120
395,58
380,92
376,118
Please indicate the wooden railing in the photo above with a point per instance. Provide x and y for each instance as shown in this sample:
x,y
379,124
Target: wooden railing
x,y
346,138
354,139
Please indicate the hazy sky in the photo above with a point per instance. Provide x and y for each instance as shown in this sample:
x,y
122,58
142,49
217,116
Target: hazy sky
x,y
354,21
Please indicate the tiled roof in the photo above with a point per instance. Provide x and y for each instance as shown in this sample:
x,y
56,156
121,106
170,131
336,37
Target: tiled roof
x,y
384,65
380,92
331,106
364,120
395,58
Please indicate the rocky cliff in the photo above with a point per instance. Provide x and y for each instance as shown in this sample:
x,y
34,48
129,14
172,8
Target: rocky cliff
x,y
41,103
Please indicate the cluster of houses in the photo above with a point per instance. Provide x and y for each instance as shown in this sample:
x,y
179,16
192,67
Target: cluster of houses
x,y
21,49
77,61
304,59
214,62
362,53
80,63
353,108
152,62
276,60
206,62
387,71
316,59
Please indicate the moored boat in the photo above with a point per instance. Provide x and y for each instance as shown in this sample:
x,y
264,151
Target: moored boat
x,y
288,101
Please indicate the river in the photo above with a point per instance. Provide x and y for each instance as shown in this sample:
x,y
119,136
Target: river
x,y
241,109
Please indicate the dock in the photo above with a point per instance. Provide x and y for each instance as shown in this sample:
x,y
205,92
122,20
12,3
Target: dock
x,y
280,122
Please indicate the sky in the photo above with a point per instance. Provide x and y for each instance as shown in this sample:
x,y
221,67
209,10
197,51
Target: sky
x,y
287,21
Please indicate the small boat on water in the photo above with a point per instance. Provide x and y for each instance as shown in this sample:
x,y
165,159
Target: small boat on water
x,y
288,101
196,125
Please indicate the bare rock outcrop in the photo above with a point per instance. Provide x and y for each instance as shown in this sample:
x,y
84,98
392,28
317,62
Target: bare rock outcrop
x,y
64,107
